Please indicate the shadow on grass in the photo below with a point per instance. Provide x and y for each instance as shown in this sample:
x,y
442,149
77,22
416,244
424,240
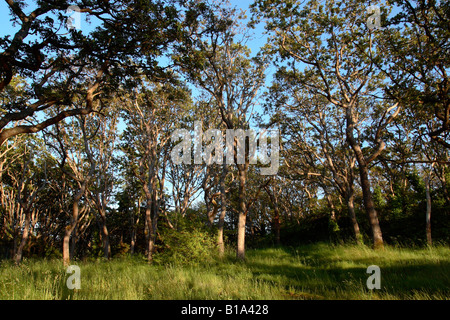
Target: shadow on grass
x,y
312,274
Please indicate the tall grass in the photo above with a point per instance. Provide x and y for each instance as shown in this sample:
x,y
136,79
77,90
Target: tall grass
x,y
318,271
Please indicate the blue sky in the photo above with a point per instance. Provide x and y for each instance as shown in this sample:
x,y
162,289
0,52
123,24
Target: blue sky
x,y
7,28
256,41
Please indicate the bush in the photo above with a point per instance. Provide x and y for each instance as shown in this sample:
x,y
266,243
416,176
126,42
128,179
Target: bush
x,y
190,242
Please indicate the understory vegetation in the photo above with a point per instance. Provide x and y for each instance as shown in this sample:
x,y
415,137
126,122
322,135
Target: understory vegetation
x,y
208,149
315,271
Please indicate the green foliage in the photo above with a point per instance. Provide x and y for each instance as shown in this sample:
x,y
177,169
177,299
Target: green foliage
x,y
190,242
308,40
402,220
318,271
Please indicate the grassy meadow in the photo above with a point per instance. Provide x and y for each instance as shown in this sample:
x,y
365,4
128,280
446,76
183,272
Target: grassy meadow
x,y
317,271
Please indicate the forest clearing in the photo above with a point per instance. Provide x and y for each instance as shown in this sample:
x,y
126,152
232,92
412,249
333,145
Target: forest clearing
x,y
215,150
311,272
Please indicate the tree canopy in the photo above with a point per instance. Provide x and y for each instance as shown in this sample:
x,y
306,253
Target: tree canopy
x,y
90,117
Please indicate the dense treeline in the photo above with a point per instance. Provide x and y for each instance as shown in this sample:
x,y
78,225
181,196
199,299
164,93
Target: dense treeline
x,y
87,160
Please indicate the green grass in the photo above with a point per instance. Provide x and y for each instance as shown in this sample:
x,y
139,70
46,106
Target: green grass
x,y
318,271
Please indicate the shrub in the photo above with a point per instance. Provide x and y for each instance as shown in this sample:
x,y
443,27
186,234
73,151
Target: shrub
x,y
190,242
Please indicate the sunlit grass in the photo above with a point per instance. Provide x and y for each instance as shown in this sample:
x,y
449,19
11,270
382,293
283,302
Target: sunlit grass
x,y
318,271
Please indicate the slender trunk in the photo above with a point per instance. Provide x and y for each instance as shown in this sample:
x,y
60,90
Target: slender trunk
x,y
13,250
133,226
151,221
363,166
155,214
212,214
133,240
151,208
223,212
209,200
240,254
332,207
73,240
148,232
19,252
70,228
428,213
101,205
351,212
185,205
249,224
67,234
105,235
369,205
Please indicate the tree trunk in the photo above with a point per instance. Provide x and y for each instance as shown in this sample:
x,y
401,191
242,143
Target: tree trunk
x,y
105,235
19,252
73,241
133,226
100,206
151,222
213,213
223,212
332,207
133,240
155,214
240,254
70,228
148,233
351,212
377,236
428,213
363,167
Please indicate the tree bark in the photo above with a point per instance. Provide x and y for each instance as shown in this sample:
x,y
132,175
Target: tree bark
x,y
148,232
363,166
105,235
369,205
351,212
133,237
223,212
133,226
151,219
19,252
242,171
428,213
332,207
71,227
